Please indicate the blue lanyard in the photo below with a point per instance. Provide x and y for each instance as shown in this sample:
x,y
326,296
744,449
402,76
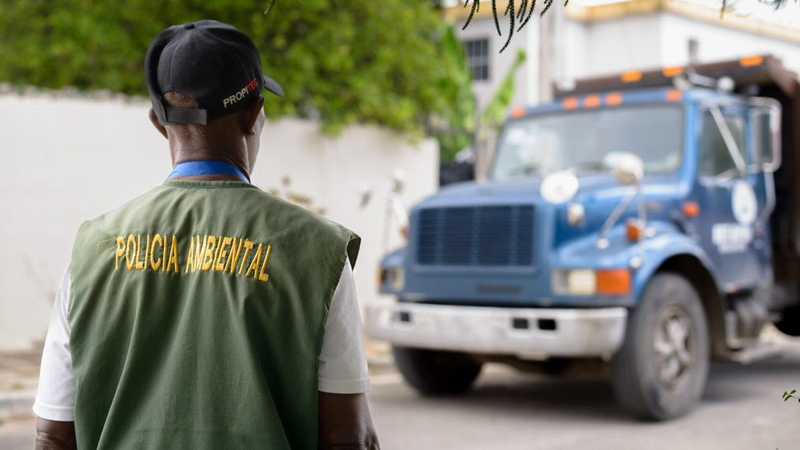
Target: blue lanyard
x,y
205,168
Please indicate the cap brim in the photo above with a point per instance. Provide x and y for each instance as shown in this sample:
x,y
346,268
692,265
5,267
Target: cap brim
x,y
272,86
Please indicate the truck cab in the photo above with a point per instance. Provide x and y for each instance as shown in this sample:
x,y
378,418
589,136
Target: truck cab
x,y
641,219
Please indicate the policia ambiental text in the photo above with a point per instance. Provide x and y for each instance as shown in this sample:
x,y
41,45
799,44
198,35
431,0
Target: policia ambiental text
x,y
161,253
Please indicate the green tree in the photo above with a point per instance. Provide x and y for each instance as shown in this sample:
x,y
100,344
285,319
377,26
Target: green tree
x,y
454,127
389,62
496,111
461,127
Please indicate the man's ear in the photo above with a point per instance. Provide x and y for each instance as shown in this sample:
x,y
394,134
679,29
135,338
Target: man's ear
x,y
249,117
156,123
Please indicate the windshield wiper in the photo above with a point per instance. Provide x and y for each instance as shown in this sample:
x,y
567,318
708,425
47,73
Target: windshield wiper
x,y
589,166
524,170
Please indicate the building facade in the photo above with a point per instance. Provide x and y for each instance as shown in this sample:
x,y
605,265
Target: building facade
x,y
598,37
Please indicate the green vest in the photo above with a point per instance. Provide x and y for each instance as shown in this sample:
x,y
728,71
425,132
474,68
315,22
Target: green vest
x,y
197,317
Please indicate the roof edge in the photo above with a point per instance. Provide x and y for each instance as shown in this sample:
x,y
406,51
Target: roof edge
x,y
618,10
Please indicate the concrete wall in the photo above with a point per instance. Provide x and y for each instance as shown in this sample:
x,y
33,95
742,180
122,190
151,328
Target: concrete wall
x,y
719,43
598,48
67,159
660,40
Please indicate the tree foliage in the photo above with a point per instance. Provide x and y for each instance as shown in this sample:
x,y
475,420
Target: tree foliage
x,y
454,128
496,111
385,62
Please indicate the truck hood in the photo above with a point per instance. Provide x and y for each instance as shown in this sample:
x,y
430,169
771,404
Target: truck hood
x,y
592,187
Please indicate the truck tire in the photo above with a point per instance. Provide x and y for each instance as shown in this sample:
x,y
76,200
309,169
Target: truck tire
x,y
436,373
660,371
790,321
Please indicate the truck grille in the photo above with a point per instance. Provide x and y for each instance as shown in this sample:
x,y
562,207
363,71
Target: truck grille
x,y
476,236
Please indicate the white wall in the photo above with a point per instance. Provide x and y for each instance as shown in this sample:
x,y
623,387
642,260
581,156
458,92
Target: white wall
x,y
599,48
659,40
719,43
68,159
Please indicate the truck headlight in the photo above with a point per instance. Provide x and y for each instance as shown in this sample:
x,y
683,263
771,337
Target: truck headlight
x,y
574,282
586,282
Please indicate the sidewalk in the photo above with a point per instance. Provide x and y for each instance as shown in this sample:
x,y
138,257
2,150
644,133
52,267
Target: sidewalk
x,y
19,371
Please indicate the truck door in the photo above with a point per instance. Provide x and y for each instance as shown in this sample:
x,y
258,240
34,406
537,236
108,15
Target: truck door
x,y
727,193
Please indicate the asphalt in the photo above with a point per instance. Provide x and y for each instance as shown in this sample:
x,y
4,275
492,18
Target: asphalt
x,y
741,409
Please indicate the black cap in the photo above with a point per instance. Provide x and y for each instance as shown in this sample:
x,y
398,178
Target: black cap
x,y
210,61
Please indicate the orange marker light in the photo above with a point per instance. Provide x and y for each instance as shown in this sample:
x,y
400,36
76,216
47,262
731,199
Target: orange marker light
x,y
751,61
517,112
691,209
613,282
591,101
674,95
632,77
670,72
570,103
634,230
614,99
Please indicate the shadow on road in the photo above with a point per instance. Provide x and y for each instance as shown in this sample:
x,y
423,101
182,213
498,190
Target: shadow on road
x,y
731,382
591,398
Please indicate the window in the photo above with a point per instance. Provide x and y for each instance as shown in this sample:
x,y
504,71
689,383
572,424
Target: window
x,y
478,56
581,141
715,158
762,135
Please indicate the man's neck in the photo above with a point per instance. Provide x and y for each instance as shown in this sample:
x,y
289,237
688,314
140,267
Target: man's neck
x,y
231,154
208,170
212,147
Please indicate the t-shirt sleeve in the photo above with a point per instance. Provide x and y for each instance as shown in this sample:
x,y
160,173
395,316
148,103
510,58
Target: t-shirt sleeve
x,y
55,397
342,364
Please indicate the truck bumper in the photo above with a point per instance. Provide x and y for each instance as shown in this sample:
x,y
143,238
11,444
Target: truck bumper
x,y
525,332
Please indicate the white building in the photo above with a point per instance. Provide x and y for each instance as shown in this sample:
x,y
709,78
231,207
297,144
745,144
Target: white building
x,y
598,37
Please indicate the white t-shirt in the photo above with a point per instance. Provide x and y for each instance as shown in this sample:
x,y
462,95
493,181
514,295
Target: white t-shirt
x,y
342,365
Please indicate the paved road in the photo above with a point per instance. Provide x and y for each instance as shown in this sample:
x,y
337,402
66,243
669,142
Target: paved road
x,y
742,409
16,434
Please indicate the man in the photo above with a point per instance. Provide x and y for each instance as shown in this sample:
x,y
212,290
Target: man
x,y
206,314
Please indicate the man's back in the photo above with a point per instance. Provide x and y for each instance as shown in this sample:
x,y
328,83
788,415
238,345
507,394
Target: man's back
x,y
206,313
197,315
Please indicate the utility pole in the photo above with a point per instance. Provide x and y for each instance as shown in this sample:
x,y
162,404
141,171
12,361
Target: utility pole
x,y
550,50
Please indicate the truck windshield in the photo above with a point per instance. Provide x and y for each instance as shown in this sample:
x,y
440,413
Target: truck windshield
x,y
540,145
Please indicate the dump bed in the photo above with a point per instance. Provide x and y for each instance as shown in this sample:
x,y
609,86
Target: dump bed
x,y
758,75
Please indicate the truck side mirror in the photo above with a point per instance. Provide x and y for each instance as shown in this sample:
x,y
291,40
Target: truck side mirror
x,y
627,167
765,117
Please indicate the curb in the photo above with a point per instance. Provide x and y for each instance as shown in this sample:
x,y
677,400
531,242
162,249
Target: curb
x,y
16,403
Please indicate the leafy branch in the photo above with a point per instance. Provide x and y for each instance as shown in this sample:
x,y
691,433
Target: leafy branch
x,y
517,18
791,395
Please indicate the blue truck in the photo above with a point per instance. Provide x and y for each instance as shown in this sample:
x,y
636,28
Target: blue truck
x,y
649,220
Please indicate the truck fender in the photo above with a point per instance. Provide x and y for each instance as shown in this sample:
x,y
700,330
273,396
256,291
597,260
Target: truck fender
x,y
677,253
655,252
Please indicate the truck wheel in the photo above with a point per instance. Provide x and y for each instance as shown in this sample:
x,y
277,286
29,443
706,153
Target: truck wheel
x,y
433,372
790,321
660,371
